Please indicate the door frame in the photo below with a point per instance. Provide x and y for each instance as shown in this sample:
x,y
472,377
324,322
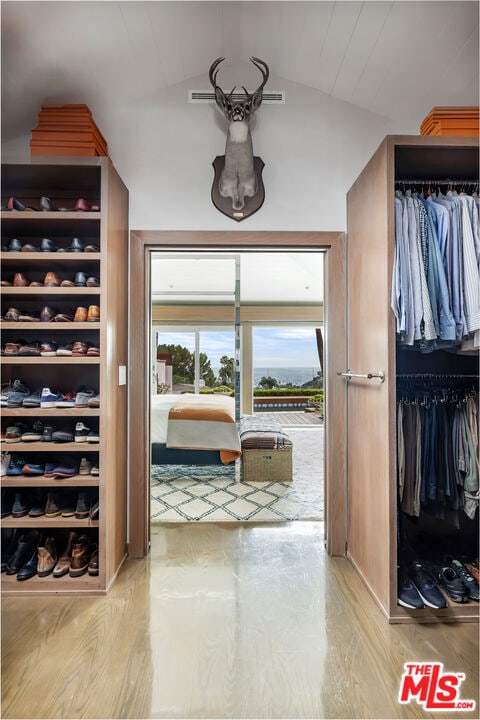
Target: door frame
x,y
142,244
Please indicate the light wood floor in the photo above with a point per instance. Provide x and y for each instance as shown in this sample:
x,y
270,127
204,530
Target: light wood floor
x,y
223,622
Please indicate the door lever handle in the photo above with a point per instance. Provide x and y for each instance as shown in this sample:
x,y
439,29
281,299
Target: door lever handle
x,y
348,374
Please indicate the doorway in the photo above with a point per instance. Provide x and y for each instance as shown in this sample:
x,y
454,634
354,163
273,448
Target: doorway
x,y
143,243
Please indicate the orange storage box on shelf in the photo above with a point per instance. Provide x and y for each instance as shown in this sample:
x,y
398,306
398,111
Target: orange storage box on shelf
x,y
67,130
454,121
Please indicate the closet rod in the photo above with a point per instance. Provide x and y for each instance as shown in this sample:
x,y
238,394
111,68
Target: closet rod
x,y
454,376
436,181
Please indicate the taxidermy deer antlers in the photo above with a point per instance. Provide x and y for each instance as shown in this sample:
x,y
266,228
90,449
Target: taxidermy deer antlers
x,y
238,179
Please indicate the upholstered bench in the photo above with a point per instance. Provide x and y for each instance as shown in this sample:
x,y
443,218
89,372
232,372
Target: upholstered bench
x,y
266,450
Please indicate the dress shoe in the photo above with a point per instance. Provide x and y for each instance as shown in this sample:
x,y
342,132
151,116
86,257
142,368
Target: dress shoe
x,y
53,507
93,351
30,350
47,314
30,248
63,564
47,205
67,283
6,283
51,280
36,283
12,314
7,503
20,280
47,245
80,279
82,511
93,565
63,317
93,282
26,543
81,314
91,248
82,205
9,544
80,349
93,313
11,348
80,556
47,557
76,246
20,507
16,204
26,316
15,245
29,569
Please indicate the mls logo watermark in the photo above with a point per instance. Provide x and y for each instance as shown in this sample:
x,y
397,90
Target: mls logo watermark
x,y
430,686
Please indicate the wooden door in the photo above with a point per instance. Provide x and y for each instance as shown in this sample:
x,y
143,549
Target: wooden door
x,y
370,440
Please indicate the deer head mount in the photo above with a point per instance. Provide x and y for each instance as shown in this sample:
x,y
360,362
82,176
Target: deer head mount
x,y
240,176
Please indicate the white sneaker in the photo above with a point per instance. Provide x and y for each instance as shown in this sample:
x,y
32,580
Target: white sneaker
x,y
4,462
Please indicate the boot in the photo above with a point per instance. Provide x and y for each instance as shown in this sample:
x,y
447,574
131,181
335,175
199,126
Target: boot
x,y
63,564
47,557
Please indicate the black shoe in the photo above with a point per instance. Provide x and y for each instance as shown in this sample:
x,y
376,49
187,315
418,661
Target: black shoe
x,y
450,580
20,508
76,246
47,245
467,578
9,543
15,245
47,205
29,569
82,510
23,552
7,502
80,279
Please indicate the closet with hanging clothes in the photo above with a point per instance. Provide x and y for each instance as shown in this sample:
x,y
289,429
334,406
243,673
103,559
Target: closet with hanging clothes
x,y
414,314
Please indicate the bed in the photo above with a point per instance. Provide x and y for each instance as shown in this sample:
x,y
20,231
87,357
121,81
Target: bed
x,y
194,430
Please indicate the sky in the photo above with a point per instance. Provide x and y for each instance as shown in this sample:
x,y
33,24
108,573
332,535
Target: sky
x,y
272,347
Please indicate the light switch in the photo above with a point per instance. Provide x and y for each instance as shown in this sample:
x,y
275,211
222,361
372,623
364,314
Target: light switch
x,y
122,374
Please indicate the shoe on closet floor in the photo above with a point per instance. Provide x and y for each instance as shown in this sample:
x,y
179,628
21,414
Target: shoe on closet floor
x,y
407,593
426,586
468,580
448,578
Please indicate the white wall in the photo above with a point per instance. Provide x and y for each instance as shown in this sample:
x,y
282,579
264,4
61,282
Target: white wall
x,y
313,148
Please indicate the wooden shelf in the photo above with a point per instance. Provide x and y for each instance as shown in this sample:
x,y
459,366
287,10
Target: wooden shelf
x,y
58,291
50,412
39,360
43,257
23,481
88,584
44,522
32,216
50,326
67,447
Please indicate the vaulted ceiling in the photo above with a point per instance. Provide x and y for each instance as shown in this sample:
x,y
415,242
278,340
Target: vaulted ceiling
x,y
391,58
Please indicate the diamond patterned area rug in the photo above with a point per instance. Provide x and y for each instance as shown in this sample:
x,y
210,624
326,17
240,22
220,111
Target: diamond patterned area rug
x,y
182,493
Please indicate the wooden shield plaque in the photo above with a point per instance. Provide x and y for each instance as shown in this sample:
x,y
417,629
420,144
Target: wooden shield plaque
x,y
252,204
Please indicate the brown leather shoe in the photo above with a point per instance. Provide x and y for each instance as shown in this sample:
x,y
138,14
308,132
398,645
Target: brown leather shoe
x,y
20,280
47,557
63,564
473,570
12,348
79,349
93,565
93,313
81,314
52,280
46,314
93,351
67,283
80,556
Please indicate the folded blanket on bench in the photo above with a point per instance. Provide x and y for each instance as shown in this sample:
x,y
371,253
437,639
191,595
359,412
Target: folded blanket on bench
x,y
257,433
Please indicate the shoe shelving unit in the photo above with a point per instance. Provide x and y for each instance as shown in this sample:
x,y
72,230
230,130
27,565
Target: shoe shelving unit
x,y
64,180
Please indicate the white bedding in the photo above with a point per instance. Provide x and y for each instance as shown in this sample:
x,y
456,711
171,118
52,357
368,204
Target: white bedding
x,y
160,406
